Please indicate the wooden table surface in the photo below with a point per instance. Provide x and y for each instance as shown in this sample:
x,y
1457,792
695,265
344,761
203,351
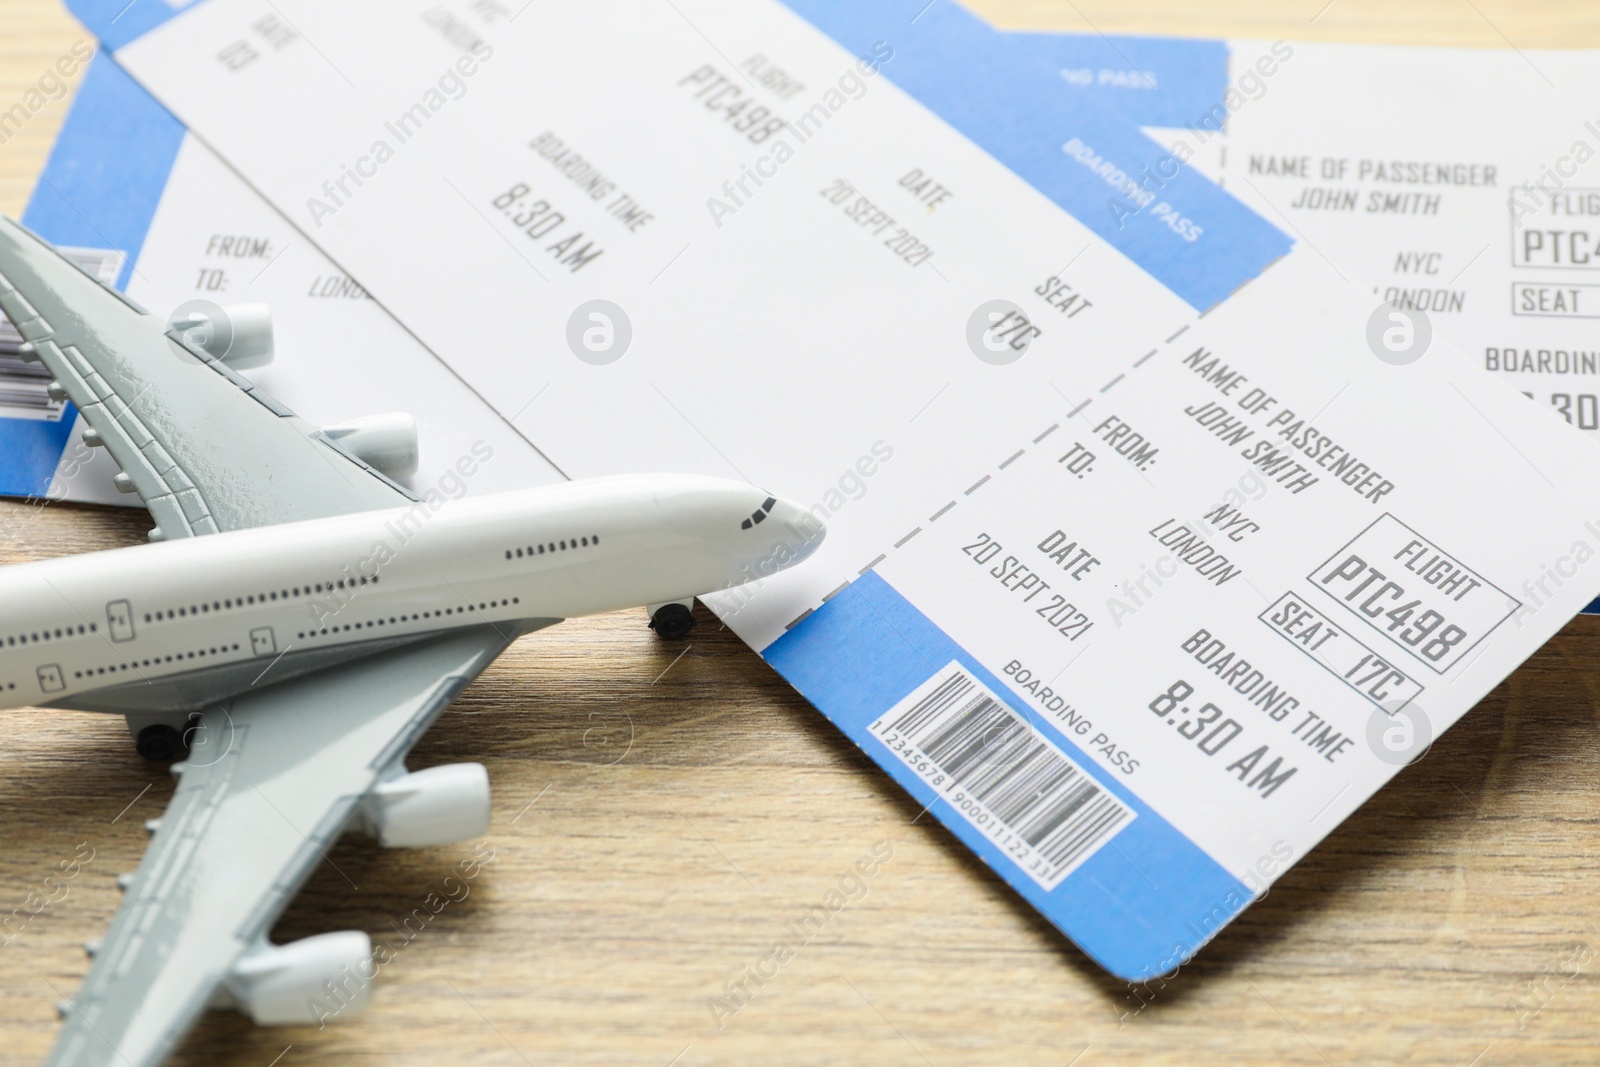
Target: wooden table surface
x,y
659,820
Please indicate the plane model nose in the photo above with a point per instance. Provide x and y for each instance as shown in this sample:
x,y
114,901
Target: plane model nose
x,y
800,528
780,532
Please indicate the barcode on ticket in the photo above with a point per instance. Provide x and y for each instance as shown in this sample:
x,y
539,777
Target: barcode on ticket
x,y
1010,782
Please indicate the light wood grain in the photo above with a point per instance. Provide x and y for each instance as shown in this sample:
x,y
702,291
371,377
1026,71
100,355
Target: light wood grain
x,y
684,811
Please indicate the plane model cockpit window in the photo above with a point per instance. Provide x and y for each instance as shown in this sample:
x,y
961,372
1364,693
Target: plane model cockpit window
x,y
760,514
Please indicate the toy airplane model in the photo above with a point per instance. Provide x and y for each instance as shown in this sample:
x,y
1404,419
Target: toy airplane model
x,y
305,619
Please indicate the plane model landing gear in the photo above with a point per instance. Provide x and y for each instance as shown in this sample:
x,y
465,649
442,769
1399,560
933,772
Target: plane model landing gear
x,y
160,743
673,620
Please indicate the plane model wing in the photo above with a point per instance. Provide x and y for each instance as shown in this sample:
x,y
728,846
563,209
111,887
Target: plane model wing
x,y
281,771
204,448
278,776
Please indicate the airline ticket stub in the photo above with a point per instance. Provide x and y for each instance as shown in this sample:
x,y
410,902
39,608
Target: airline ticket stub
x,y
970,331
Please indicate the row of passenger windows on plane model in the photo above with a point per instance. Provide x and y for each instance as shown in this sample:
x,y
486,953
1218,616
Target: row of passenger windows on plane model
x,y
51,635
552,546
155,661
168,614
396,620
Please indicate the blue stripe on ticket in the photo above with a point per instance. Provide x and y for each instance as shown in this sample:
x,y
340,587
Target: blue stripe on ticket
x,y
30,452
109,167
1141,897
1184,230
100,188
1155,81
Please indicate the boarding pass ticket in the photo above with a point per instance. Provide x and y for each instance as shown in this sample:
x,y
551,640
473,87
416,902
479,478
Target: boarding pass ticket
x,y
1295,553
1478,234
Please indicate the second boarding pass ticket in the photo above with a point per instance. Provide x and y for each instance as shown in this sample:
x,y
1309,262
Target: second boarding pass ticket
x,y
1141,603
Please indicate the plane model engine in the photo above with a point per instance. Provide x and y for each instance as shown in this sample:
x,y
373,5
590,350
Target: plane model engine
x,y
438,806
238,334
313,980
387,442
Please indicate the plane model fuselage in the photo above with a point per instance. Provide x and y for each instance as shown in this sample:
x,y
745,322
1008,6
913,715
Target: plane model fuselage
x,y
195,621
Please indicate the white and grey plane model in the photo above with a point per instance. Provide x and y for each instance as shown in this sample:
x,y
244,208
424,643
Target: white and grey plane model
x,y
308,618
